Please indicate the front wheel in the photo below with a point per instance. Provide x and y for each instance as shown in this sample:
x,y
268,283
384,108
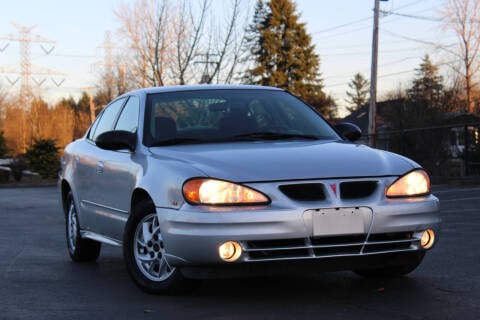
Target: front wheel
x,y
79,249
145,253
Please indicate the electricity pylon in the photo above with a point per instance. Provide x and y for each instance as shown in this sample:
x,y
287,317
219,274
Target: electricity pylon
x,y
25,38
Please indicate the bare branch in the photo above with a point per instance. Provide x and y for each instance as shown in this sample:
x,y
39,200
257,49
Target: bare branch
x,y
463,17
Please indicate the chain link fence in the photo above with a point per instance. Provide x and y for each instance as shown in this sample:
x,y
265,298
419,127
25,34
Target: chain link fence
x,y
451,151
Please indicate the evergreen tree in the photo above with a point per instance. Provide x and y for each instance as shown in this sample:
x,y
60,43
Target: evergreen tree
x,y
359,94
427,87
82,115
423,103
283,55
43,158
83,103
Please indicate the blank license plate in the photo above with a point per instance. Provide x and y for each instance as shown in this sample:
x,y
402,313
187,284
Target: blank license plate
x,y
337,221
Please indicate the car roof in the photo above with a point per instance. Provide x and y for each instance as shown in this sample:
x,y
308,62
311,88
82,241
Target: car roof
x,y
201,87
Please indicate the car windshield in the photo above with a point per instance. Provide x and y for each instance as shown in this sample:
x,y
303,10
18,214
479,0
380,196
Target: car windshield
x,y
205,116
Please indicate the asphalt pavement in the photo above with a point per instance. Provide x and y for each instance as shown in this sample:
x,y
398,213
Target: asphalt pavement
x,y
38,280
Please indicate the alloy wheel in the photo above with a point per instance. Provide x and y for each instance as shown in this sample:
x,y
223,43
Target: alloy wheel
x,y
149,250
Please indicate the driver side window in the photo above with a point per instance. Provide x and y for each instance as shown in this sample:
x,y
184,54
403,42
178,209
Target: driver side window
x,y
128,119
107,119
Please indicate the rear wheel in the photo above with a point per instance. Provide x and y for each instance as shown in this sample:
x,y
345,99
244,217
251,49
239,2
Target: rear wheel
x,y
393,271
80,250
145,253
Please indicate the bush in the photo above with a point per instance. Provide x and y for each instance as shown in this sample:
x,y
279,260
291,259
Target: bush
x,y
4,175
43,158
17,166
3,146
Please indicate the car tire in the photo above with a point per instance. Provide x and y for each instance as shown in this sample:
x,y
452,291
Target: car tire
x,y
79,249
145,254
393,271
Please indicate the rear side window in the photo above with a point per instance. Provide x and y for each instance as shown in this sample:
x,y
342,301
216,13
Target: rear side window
x,y
107,119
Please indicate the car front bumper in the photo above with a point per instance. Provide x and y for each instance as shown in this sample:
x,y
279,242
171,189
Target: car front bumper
x,y
193,235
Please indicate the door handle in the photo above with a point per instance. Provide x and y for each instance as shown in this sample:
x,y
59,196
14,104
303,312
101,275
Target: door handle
x,y
100,166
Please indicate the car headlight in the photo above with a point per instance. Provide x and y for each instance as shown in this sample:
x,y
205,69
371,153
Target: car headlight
x,y
219,192
415,183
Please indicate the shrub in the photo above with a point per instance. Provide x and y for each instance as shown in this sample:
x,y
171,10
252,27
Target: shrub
x,y
17,166
43,158
3,146
4,175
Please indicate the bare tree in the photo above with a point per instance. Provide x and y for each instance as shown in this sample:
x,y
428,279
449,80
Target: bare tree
x,y
187,39
463,17
3,113
226,42
114,82
167,42
3,106
144,27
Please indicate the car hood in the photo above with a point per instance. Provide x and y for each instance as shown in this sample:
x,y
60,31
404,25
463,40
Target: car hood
x,y
290,160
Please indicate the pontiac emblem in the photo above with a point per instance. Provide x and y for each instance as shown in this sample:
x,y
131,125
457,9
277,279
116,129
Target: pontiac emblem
x,y
333,186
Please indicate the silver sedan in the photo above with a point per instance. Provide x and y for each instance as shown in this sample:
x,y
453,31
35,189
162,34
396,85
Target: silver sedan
x,y
196,181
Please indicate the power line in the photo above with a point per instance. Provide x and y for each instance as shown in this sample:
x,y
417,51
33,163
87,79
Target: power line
x,y
367,18
68,55
387,75
350,23
411,16
342,25
430,43
380,65
368,52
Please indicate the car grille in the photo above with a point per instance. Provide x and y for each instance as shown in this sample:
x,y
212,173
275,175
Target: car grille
x,y
304,191
316,191
357,189
318,247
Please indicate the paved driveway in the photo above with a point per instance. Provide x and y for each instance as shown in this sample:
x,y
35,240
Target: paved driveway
x,y
38,281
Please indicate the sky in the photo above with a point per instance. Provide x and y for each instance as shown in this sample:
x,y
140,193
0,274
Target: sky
x,y
341,32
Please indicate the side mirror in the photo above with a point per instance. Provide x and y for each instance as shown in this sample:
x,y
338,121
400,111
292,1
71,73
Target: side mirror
x,y
117,140
349,130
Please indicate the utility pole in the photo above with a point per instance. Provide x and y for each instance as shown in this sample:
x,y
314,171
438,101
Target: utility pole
x,y
372,141
91,104
207,61
108,47
109,67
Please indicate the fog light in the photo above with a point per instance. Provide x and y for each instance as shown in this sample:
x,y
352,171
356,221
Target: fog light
x,y
230,251
427,239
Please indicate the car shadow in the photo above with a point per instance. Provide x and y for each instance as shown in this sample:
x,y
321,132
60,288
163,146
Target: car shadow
x,y
110,271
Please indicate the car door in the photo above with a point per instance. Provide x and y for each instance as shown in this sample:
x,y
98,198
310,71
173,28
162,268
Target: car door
x,y
89,167
117,178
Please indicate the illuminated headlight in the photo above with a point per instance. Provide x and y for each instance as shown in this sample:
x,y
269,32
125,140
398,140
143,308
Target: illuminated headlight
x,y
415,183
219,192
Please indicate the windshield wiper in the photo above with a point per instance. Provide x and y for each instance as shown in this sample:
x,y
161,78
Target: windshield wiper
x,y
252,136
268,135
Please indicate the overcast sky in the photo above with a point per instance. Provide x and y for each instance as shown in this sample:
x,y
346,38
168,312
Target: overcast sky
x,y
341,31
